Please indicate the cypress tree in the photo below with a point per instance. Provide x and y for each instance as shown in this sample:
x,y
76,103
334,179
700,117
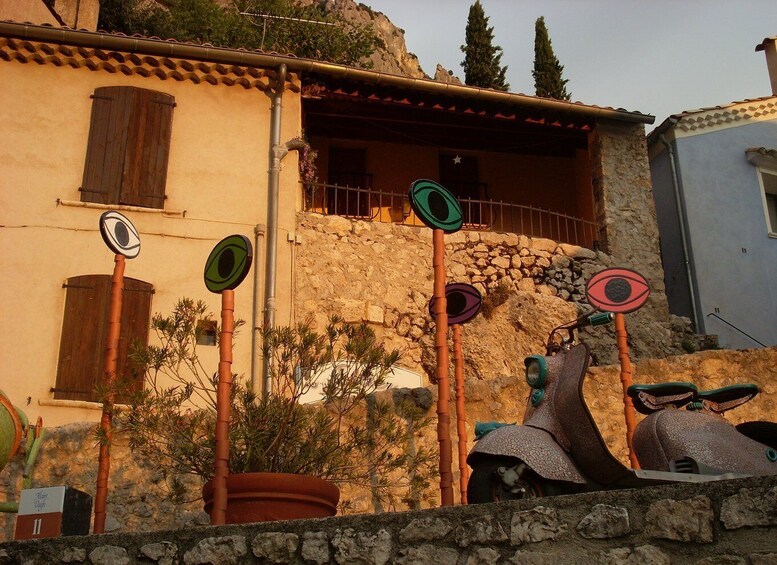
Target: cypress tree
x,y
481,56
547,70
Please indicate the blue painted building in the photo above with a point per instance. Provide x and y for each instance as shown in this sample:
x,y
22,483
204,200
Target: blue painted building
x,y
714,174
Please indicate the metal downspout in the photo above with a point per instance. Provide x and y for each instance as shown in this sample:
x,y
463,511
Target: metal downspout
x,y
683,236
271,241
256,317
278,151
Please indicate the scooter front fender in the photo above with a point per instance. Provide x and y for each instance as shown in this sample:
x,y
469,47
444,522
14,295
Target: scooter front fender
x,y
533,446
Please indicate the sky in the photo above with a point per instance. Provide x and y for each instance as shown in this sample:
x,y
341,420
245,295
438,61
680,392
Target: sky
x,y
659,57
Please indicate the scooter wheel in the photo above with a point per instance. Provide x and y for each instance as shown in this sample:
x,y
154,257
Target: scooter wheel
x,y
486,485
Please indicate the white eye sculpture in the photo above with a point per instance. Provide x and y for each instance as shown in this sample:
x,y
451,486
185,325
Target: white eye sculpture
x,y
119,234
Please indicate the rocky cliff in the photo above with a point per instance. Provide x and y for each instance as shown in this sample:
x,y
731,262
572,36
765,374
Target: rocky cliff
x,y
392,55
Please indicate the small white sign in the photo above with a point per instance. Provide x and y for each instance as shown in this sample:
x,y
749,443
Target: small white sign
x,y
41,500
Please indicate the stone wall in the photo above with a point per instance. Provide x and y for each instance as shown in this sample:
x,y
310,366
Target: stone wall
x,y
730,522
382,273
626,215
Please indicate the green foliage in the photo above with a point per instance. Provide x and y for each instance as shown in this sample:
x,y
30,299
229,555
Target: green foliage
x,y
204,21
308,170
171,422
547,70
481,56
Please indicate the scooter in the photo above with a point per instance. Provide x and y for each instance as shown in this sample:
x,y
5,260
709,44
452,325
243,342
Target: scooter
x,y
558,449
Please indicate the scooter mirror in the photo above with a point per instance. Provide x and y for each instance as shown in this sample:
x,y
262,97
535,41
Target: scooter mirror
x,y
536,371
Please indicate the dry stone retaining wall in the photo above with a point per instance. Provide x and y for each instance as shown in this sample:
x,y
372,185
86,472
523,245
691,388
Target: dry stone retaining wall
x,y
382,273
731,522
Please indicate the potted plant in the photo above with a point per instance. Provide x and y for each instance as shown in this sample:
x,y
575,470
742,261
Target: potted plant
x,y
276,442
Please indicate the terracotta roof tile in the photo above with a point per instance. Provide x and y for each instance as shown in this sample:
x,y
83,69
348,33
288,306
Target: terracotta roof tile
x,y
164,68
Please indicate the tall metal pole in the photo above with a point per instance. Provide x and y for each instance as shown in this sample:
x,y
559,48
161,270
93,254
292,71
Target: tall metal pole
x,y
218,513
461,416
628,406
443,380
111,362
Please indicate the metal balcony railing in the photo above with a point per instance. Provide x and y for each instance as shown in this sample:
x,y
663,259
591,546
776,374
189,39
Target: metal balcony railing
x,y
481,215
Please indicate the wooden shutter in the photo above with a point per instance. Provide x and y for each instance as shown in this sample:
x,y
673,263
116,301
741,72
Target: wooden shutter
x,y
81,349
148,149
85,331
128,147
135,323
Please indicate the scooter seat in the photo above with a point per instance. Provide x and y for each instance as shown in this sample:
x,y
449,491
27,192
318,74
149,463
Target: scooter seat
x,y
723,399
652,398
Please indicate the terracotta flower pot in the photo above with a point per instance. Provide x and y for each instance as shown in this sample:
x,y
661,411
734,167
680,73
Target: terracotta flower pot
x,y
264,497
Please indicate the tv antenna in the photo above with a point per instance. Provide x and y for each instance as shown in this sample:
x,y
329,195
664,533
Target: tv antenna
x,y
267,17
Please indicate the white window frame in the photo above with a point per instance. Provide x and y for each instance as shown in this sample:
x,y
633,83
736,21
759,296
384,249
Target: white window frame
x,y
765,161
770,226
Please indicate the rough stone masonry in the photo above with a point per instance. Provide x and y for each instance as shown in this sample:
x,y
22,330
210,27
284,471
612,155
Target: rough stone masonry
x,y
729,522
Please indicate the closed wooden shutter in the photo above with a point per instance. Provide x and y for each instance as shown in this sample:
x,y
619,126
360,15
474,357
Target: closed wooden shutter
x,y
148,149
135,323
107,145
129,147
85,331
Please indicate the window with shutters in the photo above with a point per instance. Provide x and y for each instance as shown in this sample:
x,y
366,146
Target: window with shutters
x,y
85,331
128,148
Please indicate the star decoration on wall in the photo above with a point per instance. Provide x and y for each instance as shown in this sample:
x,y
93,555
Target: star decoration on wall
x,y
457,160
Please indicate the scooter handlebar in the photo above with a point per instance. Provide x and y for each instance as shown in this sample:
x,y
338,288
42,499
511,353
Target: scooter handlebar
x,y
593,319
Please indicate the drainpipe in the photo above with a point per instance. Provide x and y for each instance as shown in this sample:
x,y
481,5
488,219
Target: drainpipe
x,y
683,237
256,318
277,152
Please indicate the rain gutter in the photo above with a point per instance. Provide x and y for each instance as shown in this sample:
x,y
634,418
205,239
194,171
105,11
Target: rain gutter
x,y
158,47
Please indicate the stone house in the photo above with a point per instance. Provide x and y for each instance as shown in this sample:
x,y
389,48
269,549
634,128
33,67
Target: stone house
x,y
714,174
180,138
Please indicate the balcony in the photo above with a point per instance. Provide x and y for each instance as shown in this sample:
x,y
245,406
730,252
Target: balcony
x,y
479,215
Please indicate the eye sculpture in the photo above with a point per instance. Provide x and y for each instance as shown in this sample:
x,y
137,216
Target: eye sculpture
x,y
435,206
119,234
228,263
463,302
617,290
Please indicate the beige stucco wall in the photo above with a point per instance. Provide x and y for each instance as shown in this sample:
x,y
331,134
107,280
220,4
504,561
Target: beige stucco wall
x,y
216,186
33,11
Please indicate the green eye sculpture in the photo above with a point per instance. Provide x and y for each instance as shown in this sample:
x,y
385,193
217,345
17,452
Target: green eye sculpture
x,y
228,263
435,206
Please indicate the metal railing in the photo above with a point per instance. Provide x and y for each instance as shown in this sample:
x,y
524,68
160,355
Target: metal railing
x,y
744,333
481,215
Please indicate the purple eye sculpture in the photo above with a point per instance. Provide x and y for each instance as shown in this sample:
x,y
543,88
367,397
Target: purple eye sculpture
x,y
463,303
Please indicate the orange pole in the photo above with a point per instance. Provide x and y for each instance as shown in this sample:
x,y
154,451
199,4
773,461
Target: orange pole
x,y
628,406
218,514
443,380
461,416
106,422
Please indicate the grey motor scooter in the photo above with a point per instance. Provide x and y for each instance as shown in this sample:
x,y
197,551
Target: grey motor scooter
x,y
558,449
